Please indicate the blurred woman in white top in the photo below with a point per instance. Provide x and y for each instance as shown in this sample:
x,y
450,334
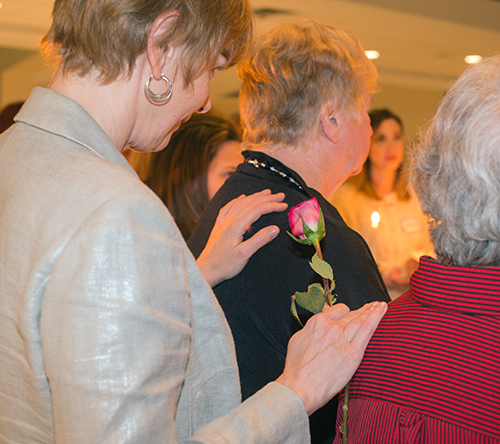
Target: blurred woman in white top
x,y
380,206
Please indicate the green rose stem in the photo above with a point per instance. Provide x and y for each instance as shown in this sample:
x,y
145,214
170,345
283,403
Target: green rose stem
x,y
311,301
326,284
328,298
345,409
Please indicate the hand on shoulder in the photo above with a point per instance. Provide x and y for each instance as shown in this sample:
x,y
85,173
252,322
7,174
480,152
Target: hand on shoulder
x,y
225,253
324,355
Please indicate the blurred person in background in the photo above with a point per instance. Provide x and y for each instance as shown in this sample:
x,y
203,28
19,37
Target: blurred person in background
x,y
304,101
380,206
430,373
7,115
199,158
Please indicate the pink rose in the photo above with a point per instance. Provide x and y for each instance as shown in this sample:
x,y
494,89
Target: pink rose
x,y
311,225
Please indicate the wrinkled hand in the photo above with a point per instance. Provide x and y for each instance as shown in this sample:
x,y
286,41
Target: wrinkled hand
x,y
225,254
323,356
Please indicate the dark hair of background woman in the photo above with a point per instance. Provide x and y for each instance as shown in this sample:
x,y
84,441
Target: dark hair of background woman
x,y
363,180
178,174
7,115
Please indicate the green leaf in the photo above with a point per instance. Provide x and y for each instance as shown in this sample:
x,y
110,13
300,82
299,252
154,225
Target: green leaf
x,y
316,287
321,267
313,300
300,241
293,310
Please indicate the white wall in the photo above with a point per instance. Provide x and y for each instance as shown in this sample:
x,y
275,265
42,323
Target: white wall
x,y
415,106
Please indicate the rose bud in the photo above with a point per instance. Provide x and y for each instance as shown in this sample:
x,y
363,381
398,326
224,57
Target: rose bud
x,y
307,222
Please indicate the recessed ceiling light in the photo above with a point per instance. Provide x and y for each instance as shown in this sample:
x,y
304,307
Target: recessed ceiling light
x,y
473,59
372,54
1,6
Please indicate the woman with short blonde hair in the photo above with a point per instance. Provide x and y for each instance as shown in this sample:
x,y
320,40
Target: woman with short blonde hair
x,y
298,68
107,36
109,328
304,102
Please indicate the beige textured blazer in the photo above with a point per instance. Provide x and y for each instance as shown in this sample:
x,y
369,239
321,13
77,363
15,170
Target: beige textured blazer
x,y
108,331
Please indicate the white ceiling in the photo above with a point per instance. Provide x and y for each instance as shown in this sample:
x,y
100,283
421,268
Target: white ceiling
x,y
422,43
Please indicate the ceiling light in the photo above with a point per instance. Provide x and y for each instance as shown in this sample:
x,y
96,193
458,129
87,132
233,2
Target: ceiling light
x,y
1,6
473,59
372,54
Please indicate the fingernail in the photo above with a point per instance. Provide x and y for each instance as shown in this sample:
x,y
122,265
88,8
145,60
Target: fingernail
x,y
274,231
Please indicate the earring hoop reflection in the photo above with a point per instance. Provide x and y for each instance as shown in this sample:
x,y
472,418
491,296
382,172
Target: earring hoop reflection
x,y
158,99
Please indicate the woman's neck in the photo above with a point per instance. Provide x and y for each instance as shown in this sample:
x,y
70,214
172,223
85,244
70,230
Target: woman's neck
x,y
383,180
108,105
309,163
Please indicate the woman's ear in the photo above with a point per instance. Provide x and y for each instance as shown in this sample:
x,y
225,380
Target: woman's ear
x,y
157,56
330,122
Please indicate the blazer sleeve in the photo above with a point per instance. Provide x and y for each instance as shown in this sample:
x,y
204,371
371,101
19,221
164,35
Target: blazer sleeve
x,y
272,415
116,327
116,331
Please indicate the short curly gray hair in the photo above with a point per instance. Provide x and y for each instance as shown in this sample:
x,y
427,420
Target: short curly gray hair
x,y
455,169
294,70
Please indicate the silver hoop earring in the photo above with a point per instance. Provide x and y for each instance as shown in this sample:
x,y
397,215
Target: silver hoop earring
x,y
158,99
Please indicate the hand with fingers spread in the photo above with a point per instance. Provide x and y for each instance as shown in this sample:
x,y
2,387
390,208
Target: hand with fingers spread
x,y
226,253
323,356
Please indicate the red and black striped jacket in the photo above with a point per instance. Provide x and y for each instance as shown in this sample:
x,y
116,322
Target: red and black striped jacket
x,y
431,373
